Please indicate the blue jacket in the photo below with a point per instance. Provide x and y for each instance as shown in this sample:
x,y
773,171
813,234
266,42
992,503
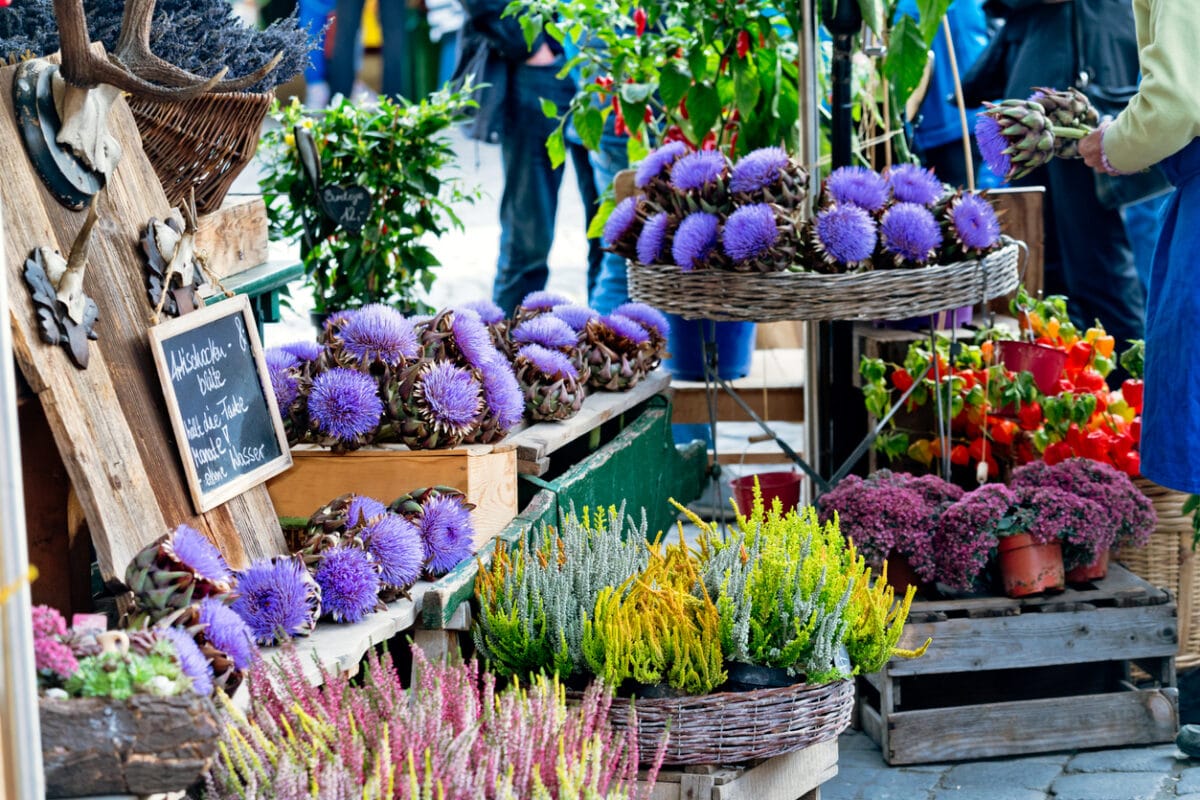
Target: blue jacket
x,y
938,123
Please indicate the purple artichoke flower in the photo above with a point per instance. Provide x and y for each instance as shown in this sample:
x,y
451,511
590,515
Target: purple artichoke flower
x,y
378,333
758,169
452,395
502,393
975,222
626,327
550,363
284,383
621,220
397,547
911,183
472,338
648,317
362,510
694,240
543,301
489,312
447,532
651,239
278,599
344,403
993,145
349,583
697,170
198,554
857,186
575,316
228,632
749,232
656,162
846,233
548,330
910,232
191,661
304,350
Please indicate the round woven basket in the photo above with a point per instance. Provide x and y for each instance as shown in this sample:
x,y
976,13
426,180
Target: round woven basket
x,y
203,143
1169,562
734,727
891,294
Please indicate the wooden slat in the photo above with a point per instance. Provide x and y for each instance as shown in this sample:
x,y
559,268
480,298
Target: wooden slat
x,y
234,237
1031,640
784,777
541,439
1021,217
1032,726
774,389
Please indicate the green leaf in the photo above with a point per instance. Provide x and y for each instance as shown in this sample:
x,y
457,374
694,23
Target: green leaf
x,y
596,228
704,109
873,15
673,84
590,125
746,89
636,150
636,92
932,12
556,147
906,58
530,28
549,109
698,64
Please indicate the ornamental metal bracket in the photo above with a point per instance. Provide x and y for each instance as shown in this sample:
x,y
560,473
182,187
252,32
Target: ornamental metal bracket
x,y
66,315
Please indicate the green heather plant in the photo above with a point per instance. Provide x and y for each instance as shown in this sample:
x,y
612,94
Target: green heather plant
x,y
400,153
452,735
534,597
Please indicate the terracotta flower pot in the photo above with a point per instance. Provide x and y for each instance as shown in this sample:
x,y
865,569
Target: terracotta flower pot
x,y
901,575
1090,572
1029,567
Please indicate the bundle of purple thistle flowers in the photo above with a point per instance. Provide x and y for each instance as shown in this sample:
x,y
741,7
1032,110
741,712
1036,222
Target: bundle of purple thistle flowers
x,y
699,211
464,375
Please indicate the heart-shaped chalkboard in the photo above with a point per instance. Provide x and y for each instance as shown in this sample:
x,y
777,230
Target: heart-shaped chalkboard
x,y
347,206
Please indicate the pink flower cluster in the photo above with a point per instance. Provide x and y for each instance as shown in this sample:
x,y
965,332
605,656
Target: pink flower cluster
x,y
966,534
1080,524
1127,511
54,659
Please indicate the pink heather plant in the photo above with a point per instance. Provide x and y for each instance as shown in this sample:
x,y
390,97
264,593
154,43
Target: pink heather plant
x,y
967,534
1080,524
453,736
881,517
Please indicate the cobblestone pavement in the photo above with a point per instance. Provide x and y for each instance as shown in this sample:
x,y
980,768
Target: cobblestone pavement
x,y
1132,773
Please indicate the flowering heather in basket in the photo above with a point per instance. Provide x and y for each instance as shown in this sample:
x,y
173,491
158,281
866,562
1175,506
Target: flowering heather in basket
x,y
883,518
453,735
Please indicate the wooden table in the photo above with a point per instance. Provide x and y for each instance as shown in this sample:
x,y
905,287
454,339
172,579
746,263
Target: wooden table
x,y
264,285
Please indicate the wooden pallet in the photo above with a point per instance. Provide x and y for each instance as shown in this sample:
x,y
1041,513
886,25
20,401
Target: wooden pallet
x,y
774,389
792,776
1007,677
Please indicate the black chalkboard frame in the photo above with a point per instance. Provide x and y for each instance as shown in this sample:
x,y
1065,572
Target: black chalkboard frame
x,y
205,501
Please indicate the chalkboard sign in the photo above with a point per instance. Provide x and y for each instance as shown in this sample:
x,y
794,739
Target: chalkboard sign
x,y
220,401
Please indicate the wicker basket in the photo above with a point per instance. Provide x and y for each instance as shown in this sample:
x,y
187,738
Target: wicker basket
x,y
880,295
203,143
734,727
1169,562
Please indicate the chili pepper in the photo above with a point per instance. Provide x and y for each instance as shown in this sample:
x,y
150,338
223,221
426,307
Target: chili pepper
x,y
639,21
960,455
683,112
1059,451
604,81
710,141
743,44
1079,356
1132,390
901,379
1030,415
1105,345
1130,464
649,115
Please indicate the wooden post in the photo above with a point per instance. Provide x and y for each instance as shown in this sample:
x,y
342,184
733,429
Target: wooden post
x,y
20,737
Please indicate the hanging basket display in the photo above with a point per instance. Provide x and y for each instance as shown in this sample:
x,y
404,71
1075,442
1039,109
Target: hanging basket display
x,y
877,295
735,727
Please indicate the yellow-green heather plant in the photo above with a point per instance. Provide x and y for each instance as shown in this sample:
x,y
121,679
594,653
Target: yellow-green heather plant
x,y
658,627
875,621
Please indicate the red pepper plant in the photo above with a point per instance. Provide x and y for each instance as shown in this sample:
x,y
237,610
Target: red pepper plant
x,y
998,418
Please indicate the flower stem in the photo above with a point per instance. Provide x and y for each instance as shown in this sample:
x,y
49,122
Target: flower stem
x,y
1069,133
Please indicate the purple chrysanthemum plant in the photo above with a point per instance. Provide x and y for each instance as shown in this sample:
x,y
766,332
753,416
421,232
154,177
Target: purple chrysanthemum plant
x,y
970,226
912,183
652,244
968,533
549,382
885,522
398,549
278,599
755,239
910,234
349,581
344,408
769,175
695,241
1079,524
844,238
447,533
53,658
856,186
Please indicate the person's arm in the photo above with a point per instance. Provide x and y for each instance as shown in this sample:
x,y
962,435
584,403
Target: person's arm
x,y
1164,115
502,33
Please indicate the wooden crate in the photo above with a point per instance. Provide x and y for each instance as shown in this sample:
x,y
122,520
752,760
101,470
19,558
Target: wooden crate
x,y
1007,677
792,776
487,474
234,237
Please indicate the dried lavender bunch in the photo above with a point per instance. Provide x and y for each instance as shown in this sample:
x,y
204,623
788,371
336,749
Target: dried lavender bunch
x,y
27,26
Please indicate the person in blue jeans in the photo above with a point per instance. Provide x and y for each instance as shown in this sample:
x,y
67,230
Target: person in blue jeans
x,y
314,18
612,284
515,79
393,23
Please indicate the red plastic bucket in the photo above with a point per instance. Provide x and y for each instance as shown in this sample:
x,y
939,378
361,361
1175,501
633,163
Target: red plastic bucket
x,y
1045,363
784,485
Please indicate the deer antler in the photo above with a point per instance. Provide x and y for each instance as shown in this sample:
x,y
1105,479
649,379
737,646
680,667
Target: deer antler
x,y
133,67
